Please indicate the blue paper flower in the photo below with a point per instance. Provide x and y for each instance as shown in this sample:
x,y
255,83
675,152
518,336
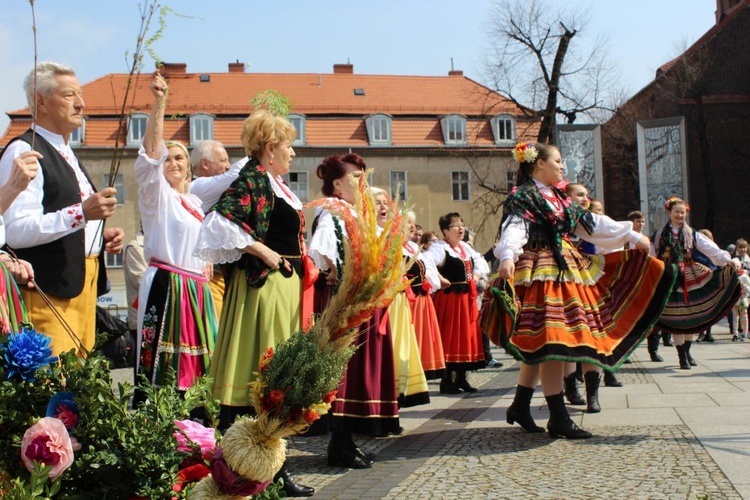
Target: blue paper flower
x,y
63,406
25,353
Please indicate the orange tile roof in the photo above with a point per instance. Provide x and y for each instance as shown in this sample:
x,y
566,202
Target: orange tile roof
x,y
230,93
335,114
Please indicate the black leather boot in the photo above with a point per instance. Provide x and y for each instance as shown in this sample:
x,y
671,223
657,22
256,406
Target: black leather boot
x,y
610,380
579,372
560,424
520,410
684,364
593,379
571,390
344,453
463,383
709,337
291,487
447,385
691,361
666,339
653,348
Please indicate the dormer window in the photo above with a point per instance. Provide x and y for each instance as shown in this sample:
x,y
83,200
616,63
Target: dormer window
x,y
504,130
201,128
454,129
136,129
299,124
379,130
77,136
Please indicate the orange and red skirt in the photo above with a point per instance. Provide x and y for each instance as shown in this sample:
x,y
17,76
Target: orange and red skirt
x,y
428,336
596,311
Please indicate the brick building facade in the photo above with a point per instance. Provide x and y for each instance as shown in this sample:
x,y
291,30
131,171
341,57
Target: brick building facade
x,y
708,87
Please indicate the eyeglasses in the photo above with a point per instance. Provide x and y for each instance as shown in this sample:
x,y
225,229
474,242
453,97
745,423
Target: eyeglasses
x,y
456,225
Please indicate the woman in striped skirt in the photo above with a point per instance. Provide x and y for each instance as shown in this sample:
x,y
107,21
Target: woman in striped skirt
x,y
707,288
176,320
569,306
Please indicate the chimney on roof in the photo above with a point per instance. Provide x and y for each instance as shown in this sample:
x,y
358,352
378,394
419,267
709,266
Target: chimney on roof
x,y
343,69
456,72
167,69
236,67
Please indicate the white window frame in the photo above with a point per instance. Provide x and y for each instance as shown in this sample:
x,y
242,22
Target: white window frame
x,y
459,180
379,129
119,185
294,186
133,139
199,122
508,121
81,135
113,261
453,125
395,182
299,123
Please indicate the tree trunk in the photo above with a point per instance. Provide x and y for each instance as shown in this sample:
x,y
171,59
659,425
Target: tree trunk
x,y
546,130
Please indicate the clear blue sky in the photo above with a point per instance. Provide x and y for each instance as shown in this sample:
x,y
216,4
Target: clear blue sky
x,y
416,37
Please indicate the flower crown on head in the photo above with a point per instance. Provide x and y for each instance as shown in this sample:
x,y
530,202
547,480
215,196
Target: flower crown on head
x,y
674,200
525,152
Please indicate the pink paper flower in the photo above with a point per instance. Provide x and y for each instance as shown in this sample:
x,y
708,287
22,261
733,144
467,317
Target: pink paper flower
x,y
205,437
48,443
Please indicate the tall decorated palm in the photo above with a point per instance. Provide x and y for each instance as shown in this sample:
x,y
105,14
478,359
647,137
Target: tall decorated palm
x,y
298,380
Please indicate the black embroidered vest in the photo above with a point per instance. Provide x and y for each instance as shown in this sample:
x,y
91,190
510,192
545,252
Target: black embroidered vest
x,y
59,266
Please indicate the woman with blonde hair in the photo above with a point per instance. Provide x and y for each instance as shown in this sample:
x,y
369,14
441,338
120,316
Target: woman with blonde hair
x,y
176,320
257,228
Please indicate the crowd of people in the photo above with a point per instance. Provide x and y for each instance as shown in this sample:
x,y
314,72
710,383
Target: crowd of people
x,y
222,271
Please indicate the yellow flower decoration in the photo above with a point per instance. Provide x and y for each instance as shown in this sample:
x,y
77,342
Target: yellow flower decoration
x,y
525,152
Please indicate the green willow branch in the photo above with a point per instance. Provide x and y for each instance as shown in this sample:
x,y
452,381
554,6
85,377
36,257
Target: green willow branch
x,y
36,61
142,43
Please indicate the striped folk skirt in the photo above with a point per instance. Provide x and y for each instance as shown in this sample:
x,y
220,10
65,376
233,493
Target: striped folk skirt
x,y
178,327
598,312
701,307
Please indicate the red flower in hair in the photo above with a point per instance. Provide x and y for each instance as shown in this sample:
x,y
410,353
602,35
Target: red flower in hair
x,y
675,200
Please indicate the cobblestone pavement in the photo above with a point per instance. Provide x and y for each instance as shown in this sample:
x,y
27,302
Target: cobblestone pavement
x,y
667,434
460,447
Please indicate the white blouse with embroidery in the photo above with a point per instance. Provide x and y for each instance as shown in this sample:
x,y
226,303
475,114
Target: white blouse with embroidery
x,y
431,272
437,250
222,241
607,234
169,228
